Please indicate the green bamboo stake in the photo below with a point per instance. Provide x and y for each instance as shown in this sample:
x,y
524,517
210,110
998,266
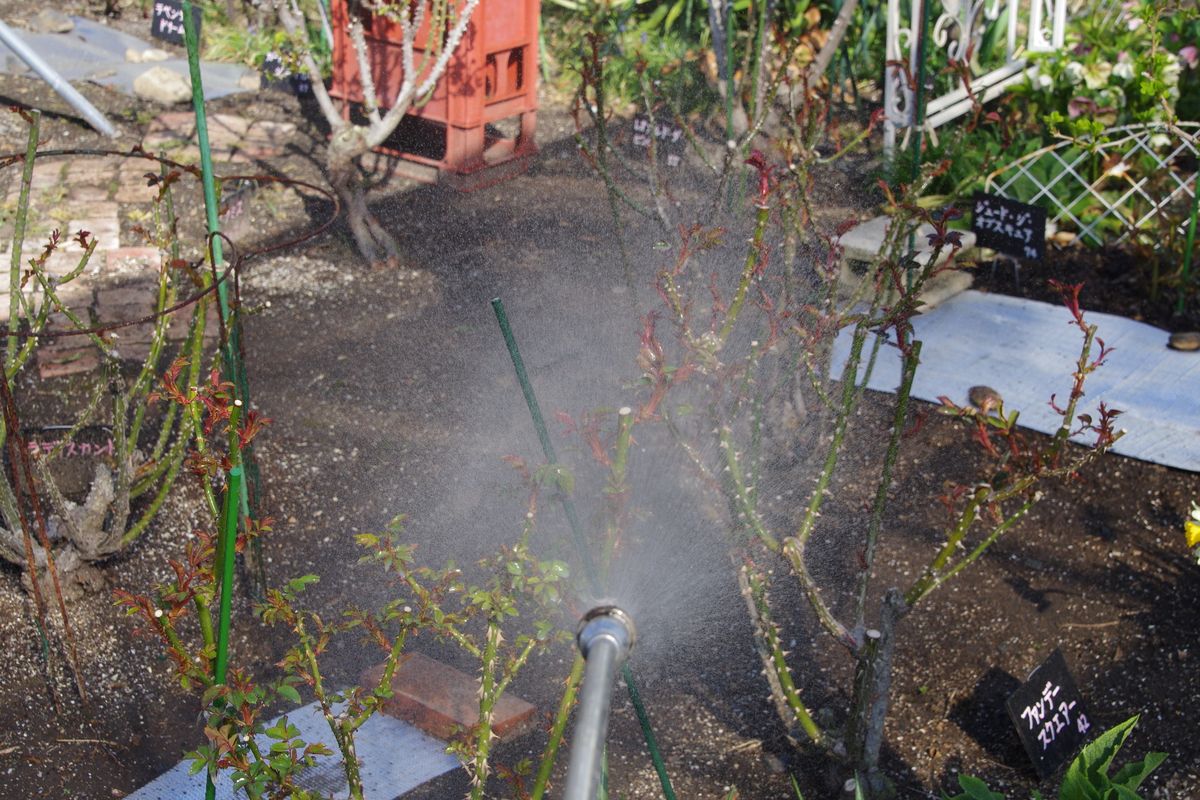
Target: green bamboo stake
x,y
234,368
230,516
539,423
231,509
206,168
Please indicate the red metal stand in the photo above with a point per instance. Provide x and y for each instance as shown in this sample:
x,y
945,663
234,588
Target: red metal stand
x,y
483,111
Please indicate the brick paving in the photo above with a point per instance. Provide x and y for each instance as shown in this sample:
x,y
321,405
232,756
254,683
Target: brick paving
x,y
230,137
442,700
94,193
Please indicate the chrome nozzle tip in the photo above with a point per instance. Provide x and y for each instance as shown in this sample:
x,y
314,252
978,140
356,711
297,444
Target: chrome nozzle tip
x,y
606,622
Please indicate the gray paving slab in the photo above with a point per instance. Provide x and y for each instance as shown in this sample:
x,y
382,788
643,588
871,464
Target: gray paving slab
x,y
396,757
1027,351
94,52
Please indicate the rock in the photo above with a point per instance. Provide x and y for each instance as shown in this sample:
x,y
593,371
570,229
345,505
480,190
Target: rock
x,y
250,80
985,398
1184,340
154,54
50,21
161,85
133,55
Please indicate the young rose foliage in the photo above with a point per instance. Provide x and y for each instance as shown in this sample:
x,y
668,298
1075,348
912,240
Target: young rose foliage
x,y
500,621
730,350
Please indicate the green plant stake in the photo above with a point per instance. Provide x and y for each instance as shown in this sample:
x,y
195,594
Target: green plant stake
x,y
231,348
230,513
539,423
226,548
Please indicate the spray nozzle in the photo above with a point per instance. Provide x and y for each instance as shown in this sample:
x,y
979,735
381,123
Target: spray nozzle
x,y
606,622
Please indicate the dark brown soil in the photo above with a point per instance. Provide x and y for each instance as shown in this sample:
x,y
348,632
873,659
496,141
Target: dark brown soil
x,y
1116,280
392,393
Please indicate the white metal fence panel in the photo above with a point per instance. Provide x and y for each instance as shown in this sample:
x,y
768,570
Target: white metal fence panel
x,y
1112,188
958,28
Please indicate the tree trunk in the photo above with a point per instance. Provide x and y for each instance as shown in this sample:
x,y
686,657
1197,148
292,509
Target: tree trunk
x,y
872,693
375,243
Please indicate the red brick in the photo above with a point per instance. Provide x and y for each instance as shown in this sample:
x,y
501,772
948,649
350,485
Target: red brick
x,y
441,700
136,191
132,258
55,364
181,124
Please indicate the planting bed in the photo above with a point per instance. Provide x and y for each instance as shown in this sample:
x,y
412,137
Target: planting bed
x,y
391,393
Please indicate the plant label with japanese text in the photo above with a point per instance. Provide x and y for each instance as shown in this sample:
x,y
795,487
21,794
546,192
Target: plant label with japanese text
x,y
1017,229
669,139
1050,716
166,20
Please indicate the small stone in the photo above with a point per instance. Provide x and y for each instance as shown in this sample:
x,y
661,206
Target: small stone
x,y
155,54
985,398
1185,340
50,21
133,55
162,85
774,763
249,81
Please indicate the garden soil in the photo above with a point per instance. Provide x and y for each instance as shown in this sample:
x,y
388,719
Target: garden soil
x,y
391,393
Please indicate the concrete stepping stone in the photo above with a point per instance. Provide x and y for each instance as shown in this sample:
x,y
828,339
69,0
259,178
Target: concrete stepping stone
x,y
863,243
395,758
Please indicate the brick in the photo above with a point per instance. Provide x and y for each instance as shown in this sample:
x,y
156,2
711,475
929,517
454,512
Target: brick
x,y
128,261
226,129
56,364
60,263
46,173
180,320
81,195
176,123
119,302
101,222
131,342
136,191
76,295
94,171
441,700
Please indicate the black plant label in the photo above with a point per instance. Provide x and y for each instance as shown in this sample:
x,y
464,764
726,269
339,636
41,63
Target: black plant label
x,y
1050,716
166,21
1016,229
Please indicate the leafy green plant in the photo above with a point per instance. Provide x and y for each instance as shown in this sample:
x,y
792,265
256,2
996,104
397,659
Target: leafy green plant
x,y
247,36
1121,65
127,477
1087,778
500,621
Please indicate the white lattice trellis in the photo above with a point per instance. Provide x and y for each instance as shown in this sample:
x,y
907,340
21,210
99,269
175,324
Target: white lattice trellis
x,y
1123,181
1031,26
